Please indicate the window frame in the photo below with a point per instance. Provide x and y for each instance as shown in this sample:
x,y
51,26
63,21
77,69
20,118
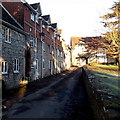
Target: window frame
x,y
4,67
32,16
32,42
16,65
48,28
43,63
7,36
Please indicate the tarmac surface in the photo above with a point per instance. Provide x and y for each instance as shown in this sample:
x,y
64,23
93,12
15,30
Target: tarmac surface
x,y
60,96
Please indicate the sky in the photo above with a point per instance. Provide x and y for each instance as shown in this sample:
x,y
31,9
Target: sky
x,y
76,18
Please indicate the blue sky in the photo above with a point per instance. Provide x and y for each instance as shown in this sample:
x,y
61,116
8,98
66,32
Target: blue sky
x,y
78,18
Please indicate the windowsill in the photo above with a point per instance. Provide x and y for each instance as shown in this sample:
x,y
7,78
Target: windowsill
x,y
7,42
4,73
16,71
32,20
37,23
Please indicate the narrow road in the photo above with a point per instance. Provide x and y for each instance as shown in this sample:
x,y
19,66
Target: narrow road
x,y
64,98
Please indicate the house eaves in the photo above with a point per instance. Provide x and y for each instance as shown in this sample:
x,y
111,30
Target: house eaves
x,y
30,7
47,18
37,8
6,16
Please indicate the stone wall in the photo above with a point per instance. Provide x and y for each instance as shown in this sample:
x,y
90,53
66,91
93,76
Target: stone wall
x,y
10,52
94,96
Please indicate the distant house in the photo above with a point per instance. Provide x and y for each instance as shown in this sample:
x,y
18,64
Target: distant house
x,y
88,49
101,55
66,55
12,60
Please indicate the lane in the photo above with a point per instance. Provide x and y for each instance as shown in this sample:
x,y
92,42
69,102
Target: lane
x,y
52,103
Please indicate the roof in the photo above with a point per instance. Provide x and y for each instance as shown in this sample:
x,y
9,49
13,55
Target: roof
x,y
54,25
47,18
35,5
7,17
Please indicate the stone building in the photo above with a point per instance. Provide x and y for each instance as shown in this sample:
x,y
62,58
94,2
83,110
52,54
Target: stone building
x,y
28,17
66,55
43,49
12,60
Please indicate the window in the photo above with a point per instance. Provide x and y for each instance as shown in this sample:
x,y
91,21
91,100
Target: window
x,y
54,34
32,17
61,54
32,43
43,25
58,37
7,35
50,48
36,67
30,29
16,66
49,64
43,64
43,46
48,28
37,18
58,52
4,67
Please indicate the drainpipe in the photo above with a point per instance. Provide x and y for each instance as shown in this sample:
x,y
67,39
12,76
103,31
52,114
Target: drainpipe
x,y
41,51
54,55
35,50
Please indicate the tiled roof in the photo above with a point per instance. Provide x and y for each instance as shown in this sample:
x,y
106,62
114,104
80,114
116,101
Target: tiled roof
x,y
7,17
54,25
46,17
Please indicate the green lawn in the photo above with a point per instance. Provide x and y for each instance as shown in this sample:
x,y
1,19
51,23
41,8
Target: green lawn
x,y
112,67
107,83
108,75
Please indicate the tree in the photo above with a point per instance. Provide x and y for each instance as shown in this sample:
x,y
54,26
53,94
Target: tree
x,y
112,21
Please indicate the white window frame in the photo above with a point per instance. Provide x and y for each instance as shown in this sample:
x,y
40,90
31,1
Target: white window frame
x,y
43,26
16,65
32,43
7,35
43,64
48,28
58,37
36,66
58,52
49,64
30,29
37,18
55,34
32,17
61,54
43,46
4,67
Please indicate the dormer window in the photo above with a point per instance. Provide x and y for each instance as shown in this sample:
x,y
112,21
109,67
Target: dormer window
x,y
43,25
32,17
54,34
37,19
48,28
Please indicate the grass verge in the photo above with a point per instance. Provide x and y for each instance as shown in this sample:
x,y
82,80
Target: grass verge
x,y
107,84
